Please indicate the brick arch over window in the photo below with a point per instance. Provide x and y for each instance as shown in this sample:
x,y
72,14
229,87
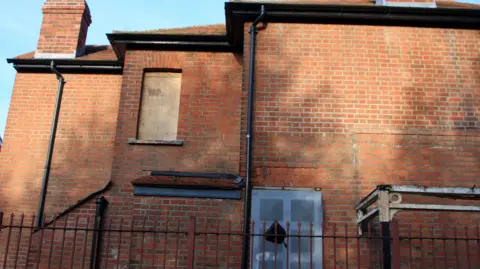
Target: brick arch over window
x,y
160,60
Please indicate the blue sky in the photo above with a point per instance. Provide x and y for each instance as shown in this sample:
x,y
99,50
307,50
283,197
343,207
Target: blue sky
x,y
20,22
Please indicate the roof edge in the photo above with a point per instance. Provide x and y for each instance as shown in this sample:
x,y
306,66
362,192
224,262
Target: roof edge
x,y
238,13
169,42
67,66
353,14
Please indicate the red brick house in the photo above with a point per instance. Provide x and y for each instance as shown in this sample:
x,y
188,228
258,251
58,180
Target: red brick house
x,y
347,96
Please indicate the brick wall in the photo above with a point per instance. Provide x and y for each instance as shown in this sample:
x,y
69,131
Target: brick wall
x,y
82,157
208,123
64,28
345,108
341,108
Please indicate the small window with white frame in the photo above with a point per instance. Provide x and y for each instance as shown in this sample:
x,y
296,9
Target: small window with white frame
x,y
294,210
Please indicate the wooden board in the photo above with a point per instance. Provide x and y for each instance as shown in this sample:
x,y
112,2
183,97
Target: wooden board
x,y
160,106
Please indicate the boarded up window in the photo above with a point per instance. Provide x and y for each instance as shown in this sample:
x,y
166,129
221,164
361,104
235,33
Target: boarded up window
x,y
160,105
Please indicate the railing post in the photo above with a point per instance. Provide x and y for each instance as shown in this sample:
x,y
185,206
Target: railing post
x,y
191,243
101,204
385,231
395,246
385,221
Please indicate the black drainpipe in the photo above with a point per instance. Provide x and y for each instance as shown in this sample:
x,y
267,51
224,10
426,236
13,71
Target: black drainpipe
x,y
247,202
46,175
101,204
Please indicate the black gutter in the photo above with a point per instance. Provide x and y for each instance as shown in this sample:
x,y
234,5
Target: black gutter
x,y
363,15
101,204
249,140
46,175
172,42
68,66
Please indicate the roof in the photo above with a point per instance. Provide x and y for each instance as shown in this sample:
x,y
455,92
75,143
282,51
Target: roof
x,y
440,3
311,2
209,29
453,4
219,29
92,52
229,37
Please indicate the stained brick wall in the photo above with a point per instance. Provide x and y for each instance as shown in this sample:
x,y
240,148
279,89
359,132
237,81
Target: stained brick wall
x,y
83,153
209,124
341,108
346,108
337,107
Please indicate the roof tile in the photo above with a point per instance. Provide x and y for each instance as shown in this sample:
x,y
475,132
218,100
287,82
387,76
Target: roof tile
x,y
209,29
92,52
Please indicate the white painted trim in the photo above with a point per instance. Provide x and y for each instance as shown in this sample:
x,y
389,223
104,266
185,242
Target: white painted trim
x,y
54,55
458,191
387,208
406,4
436,207
370,214
368,201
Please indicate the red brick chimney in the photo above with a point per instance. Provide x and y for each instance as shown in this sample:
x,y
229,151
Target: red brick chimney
x,y
64,29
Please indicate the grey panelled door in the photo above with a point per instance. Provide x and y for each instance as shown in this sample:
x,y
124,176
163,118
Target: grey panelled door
x,y
294,206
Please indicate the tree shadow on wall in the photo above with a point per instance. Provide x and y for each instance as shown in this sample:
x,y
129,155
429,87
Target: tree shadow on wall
x,y
300,138
451,158
83,152
412,152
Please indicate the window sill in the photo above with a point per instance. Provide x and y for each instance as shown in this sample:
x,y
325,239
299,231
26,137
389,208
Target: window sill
x,y
134,141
